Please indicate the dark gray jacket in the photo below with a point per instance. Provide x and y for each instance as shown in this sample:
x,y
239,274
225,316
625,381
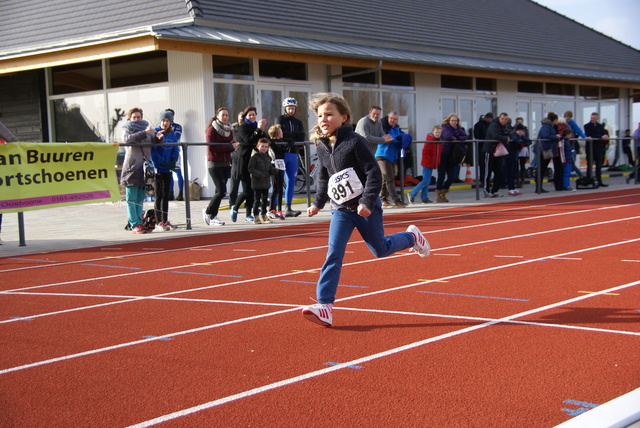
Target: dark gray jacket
x,y
349,150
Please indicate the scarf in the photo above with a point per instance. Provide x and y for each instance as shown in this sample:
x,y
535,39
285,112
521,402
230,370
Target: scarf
x,y
223,129
132,126
254,124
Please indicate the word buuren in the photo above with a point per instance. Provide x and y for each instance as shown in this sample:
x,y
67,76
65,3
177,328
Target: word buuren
x,y
34,156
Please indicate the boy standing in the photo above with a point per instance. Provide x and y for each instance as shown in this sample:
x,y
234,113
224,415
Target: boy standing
x,y
261,169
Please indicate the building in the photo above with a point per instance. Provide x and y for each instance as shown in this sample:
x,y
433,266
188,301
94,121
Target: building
x,y
70,69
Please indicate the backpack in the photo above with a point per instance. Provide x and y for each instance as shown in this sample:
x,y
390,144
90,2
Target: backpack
x,y
149,219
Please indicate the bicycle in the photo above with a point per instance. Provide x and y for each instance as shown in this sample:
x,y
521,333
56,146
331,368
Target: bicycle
x,y
301,176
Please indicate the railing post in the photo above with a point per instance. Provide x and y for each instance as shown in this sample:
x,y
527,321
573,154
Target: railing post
x,y
187,184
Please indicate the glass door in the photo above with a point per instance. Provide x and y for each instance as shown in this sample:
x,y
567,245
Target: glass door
x,y
270,99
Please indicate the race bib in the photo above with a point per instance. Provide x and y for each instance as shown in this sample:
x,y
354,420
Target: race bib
x,y
344,186
279,163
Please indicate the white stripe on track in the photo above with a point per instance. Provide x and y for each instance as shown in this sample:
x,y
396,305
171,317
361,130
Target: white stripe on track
x,y
137,342
360,361
374,260
446,217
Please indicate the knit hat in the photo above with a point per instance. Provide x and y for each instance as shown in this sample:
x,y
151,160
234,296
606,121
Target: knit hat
x,y
519,127
166,115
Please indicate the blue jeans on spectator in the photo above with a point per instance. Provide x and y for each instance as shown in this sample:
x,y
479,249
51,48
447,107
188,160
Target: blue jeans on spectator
x,y
340,230
423,185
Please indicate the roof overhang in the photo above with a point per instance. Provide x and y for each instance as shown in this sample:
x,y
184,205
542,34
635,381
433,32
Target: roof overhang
x,y
242,43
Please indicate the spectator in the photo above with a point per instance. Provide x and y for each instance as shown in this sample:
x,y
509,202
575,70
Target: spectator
x,y
136,131
636,164
549,137
177,129
234,184
405,139
430,161
386,155
452,155
626,147
520,121
497,132
577,132
293,131
164,159
249,132
596,147
7,137
480,133
370,128
220,132
280,148
347,157
261,169
566,157
519,142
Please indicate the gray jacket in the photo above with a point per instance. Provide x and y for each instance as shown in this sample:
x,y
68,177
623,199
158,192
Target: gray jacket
x,y
132,168
371,131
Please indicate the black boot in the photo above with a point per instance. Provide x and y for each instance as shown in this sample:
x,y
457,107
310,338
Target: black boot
x,y
291,213
180,197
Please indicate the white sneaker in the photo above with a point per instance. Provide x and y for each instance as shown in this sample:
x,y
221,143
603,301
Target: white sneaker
x,y
319,313
216,222
421,245
206,217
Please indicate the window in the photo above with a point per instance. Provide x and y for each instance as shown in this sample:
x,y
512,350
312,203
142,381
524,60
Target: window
x,y
561,89
86,76
233,96
610,93
589,92
283,69
228,67
486,85
456,82
361,102
530,87
359,80
397,79
79,119
141,69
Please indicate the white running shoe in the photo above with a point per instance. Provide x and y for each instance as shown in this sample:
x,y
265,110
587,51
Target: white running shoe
x,y
319,313
216,222
421,245
206,217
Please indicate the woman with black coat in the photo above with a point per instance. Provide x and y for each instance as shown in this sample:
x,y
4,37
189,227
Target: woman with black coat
x,y
248,134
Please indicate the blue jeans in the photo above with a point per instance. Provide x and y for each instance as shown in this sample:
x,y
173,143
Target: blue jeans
x,y
291,165
340,230
423,185
134,196
566,176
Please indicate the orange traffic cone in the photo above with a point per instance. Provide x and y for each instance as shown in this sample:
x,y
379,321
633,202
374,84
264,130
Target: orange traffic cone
x,y
468,178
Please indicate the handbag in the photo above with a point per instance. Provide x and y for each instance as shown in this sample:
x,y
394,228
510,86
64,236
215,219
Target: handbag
x,y
149,170
547,154
458,154
500,150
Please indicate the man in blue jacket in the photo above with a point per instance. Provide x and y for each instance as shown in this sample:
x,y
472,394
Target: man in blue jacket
x,y
386,156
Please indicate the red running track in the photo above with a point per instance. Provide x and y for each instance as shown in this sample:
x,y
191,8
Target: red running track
x,y
526,314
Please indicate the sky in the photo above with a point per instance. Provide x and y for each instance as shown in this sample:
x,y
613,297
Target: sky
x,y
615,18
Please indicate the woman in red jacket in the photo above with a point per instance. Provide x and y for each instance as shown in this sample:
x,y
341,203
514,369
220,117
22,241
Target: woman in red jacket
x,y
218,162
430,161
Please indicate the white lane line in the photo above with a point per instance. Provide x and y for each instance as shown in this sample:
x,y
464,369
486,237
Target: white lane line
x,y
358,361
374,260
122,345
446,217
